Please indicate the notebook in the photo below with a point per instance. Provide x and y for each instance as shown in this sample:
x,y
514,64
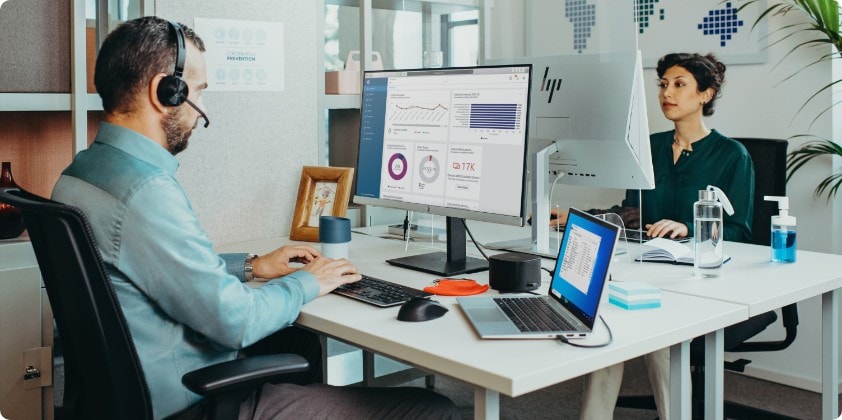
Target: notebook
x,y
575,292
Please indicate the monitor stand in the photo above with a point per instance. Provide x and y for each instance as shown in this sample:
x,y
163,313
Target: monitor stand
x,y
453,262
540,243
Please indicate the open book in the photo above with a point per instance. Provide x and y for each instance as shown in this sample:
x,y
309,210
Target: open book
x,y
669,251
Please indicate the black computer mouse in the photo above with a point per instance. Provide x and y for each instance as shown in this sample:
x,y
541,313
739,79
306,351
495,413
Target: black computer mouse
x,y
420,309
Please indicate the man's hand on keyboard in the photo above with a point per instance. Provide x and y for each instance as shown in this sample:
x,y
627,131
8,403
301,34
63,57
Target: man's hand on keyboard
x,y
332,273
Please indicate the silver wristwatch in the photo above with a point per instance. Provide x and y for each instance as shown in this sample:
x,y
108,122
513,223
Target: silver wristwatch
x,y
248,273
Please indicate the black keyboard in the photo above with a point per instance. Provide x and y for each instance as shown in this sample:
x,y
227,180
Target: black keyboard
x,y
379,292
533,314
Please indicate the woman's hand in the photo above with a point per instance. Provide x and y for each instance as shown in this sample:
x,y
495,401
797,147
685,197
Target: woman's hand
x,y
558,217
277,263
666,227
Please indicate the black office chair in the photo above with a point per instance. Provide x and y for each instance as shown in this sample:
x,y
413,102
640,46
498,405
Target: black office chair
x,y
103,376
769,157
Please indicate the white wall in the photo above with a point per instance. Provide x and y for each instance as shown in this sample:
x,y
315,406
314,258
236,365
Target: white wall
x,y
756,102
242,172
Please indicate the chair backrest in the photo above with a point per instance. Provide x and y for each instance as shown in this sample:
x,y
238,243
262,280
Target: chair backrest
x,y
103,376
769,157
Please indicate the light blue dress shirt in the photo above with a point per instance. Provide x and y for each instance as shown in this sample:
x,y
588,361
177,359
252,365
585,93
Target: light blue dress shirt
x,y
187,307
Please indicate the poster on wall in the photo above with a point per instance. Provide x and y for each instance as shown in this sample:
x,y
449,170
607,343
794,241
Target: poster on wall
x,y
724,28
243,55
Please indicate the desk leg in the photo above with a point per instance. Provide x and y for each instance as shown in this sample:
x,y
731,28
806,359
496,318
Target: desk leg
x,y
486,404
323,342
714,375
369,375
680,381
830,354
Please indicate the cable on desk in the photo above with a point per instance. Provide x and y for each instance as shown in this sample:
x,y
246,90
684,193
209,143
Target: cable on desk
x,y
591,346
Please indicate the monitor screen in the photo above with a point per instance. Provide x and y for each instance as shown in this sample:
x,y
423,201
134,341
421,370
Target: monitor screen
x,y
450,142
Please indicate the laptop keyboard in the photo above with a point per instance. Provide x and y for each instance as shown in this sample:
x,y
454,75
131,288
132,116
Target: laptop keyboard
x,y
533,314
379,292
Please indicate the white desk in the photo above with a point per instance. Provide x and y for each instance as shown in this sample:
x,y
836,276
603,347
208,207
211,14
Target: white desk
x,y
751,279
450,347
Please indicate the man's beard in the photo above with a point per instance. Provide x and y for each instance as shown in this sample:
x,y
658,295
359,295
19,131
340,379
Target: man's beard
x,y
176,131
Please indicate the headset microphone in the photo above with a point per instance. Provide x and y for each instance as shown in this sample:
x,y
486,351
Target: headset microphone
x,y
201,113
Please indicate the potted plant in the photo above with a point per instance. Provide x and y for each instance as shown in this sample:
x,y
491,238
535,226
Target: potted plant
x,y
821,22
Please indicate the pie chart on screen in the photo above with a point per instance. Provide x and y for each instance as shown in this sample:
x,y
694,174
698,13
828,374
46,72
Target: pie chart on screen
x,y
397,166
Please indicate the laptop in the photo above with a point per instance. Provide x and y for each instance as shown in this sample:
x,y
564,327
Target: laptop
x,y
571,306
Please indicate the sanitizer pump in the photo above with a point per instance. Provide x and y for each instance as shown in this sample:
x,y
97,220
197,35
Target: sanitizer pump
x,y
783,231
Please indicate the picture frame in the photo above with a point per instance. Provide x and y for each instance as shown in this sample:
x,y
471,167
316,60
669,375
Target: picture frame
x,y
322,191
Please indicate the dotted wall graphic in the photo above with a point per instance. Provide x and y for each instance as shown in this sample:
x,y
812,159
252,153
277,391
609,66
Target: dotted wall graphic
x,y
583,17
644,11
655,27
721,22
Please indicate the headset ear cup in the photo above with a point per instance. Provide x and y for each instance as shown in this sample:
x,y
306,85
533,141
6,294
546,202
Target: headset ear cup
x,y
172,91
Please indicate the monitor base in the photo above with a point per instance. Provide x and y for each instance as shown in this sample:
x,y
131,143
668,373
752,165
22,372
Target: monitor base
x,y
437,263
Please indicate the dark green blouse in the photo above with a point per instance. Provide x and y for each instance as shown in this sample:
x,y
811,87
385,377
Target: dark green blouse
x,y
715,160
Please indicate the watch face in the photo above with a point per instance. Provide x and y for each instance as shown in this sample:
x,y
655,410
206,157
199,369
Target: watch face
x,y
248,275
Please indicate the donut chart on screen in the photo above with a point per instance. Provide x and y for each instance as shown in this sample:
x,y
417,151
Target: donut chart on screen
x,y
428,170
397,166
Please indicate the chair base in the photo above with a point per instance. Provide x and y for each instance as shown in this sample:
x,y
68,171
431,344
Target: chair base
x,y
743,412
640,402
733,410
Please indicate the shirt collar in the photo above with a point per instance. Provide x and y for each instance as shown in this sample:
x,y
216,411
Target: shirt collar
x,y
137,145
704,142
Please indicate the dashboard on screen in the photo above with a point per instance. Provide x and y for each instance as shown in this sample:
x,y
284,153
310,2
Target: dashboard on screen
x,y
447,141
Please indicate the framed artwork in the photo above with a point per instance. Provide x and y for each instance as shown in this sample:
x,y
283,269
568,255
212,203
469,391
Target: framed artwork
x,y
323,191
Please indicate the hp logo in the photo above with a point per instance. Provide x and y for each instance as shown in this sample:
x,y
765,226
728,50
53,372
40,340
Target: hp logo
x,y
550,85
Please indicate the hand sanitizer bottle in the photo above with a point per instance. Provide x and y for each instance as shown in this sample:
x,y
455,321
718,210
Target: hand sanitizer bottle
x,y
783,231
708,232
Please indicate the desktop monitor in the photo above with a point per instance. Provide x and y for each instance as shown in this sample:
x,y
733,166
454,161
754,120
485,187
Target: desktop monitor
x,y
451,142
588,125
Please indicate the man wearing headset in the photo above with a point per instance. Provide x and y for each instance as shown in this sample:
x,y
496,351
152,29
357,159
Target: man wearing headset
x,y
186,306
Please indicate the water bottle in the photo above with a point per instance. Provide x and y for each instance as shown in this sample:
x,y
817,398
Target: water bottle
x,y
707,237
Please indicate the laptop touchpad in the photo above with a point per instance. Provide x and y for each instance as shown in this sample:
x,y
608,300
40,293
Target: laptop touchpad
x,y
489,315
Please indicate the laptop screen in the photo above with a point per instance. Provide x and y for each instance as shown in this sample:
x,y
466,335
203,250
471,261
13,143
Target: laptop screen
x,y
582,265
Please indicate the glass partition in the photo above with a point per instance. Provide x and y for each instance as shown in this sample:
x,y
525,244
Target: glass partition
x,y
406,34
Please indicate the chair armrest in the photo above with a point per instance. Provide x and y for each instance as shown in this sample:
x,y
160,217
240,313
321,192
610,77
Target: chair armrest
x,y
242,373
789,316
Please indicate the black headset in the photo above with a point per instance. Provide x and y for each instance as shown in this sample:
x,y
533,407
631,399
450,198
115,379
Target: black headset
x,y
173,90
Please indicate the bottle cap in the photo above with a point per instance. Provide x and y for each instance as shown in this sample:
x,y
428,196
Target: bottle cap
x,y
722,198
